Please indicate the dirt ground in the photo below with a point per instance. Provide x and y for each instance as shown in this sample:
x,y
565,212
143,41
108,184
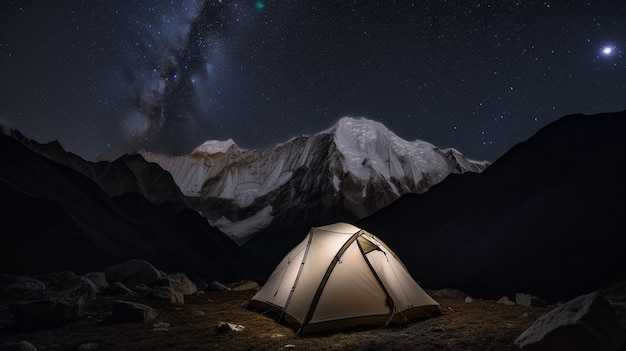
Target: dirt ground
x,y
478,325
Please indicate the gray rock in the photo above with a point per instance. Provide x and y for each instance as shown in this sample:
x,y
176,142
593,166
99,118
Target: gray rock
x,y
584,323
80,286
181,283
57,278
18,346
132,273
223,327
160,326
99,279
469,299
217,286
117,288
246,285
506,301
529,300
168,294
126,311
56,308
142,289
452,293
21,284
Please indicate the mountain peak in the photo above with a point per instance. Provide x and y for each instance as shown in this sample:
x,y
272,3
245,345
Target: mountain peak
x,y
211,147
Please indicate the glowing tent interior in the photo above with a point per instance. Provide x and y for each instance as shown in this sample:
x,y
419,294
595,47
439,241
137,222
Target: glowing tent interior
x,y
338,277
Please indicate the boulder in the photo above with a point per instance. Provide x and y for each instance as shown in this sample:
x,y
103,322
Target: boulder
x,y
20,284
166,293
506,301
98,278
529,300
181,283
55,279
132,273
585,323
223,327
117,288
65,305
142,289
126,311
18,346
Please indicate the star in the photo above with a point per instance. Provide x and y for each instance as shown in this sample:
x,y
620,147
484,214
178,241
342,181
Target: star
x,y
608,50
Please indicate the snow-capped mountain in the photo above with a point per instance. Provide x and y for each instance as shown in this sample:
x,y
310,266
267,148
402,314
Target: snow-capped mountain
x,y
358,166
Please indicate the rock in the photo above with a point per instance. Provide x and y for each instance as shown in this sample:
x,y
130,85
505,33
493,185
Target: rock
x,y
437,329
126,311
452,293
117,288
20,284
584,323
57,308
223,327
468,299
160,326
290,346
167,293
182,284
18,346
99,279
217,286
80,286
246,285
57,278
132,273
49,312
529,300
142,289
506,301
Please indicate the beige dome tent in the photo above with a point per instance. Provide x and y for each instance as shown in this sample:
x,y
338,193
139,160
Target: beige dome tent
x,y
341,276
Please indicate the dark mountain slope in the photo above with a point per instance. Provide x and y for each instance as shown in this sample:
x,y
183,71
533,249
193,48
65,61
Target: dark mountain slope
x,y
129,173
546,218
55,218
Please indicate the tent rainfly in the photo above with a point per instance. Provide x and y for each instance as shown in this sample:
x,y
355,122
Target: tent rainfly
x,y
338,277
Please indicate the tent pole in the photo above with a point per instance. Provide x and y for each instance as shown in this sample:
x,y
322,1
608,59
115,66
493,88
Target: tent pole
x,y
324,280
293,288
392,307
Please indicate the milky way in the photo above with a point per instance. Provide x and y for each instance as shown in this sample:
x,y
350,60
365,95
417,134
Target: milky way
x,y
107,77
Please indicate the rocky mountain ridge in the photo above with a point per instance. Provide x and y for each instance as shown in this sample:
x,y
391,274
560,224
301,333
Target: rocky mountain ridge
x,y
358,166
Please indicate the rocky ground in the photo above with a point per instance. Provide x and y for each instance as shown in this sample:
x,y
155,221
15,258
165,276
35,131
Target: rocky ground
x,y
478,325
188,319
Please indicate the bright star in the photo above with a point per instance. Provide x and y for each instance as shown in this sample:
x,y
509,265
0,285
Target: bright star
x,y
608,50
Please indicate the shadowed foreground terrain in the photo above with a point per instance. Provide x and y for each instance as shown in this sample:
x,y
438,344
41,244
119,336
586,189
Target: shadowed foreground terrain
x,y
478,325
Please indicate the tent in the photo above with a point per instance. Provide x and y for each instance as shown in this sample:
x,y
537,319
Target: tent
x,y
338,277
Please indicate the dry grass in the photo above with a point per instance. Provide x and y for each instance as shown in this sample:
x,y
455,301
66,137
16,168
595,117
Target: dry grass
x,y
480,325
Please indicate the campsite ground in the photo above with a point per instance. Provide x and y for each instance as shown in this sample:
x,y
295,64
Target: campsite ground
x,y
478,325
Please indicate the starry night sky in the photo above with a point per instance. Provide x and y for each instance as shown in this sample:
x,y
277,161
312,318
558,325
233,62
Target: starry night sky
x,y
107,77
